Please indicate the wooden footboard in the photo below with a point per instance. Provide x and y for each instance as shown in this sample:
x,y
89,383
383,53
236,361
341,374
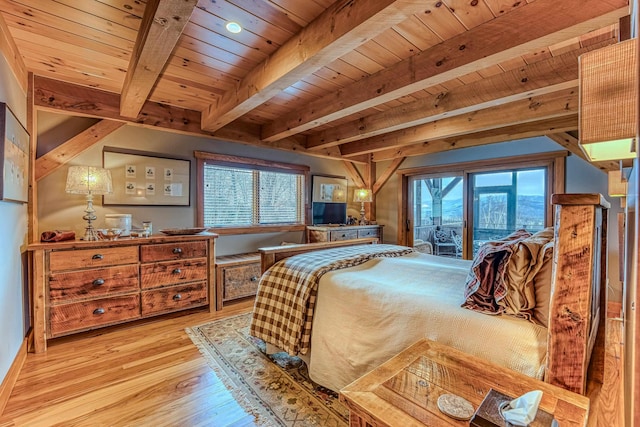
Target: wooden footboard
x,y
577,312
273,254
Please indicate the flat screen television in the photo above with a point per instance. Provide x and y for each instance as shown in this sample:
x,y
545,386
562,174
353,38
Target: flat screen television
x,y
329,213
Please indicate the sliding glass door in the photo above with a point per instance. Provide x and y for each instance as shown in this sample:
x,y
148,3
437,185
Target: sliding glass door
x,y
454,213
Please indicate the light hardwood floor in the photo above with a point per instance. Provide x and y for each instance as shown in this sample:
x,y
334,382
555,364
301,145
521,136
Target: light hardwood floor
x,y
150,374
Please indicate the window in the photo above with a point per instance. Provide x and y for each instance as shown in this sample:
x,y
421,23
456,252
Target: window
x,y
237,192
457,208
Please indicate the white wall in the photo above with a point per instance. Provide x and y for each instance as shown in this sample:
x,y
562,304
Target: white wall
x,y
581,177
13,232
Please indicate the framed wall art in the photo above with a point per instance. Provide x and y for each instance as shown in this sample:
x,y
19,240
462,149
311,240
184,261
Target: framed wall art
x,y
142,178
15,157
329,189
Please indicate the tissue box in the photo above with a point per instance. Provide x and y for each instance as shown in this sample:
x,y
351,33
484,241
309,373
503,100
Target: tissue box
x,y
488,413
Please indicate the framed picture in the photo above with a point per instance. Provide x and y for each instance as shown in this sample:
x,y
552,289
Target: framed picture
x,y
329,189
15,157
141,178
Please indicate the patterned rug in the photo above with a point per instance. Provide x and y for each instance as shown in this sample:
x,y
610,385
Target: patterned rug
x,y
275,388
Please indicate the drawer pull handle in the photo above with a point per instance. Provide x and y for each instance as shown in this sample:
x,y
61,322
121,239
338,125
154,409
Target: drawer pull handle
x,y
254,279
177,250
98,311
176,271
177,297
97,256
98,282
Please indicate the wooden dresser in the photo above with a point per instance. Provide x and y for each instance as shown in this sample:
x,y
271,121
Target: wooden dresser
x,y
78,285
237,276
318,233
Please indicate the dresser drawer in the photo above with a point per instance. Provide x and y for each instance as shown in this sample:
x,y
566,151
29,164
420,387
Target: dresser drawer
x,y
174,298
369,232
93,283
171,251
172,272
343,235
89,314
240,281
91,258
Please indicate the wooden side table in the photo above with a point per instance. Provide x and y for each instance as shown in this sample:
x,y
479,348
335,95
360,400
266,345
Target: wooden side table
x,y
404,390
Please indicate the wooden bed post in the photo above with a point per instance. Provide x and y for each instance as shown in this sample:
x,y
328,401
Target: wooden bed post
x,y
577,312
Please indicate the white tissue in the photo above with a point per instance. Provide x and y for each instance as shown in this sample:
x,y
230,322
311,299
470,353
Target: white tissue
x,y
522,410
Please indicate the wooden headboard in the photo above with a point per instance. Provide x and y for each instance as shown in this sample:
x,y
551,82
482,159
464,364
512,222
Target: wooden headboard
x,y
577,311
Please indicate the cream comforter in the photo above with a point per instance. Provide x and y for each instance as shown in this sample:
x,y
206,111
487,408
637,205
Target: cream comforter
x,y
366,314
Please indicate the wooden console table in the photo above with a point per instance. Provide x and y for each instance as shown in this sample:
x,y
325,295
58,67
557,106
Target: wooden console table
x,y
324,233
404,390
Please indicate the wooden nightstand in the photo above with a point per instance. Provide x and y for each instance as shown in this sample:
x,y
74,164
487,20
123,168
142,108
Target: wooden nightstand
x,y
404,390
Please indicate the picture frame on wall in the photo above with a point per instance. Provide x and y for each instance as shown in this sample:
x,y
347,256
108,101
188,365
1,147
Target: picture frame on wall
x,y
329,189
146,179
15,157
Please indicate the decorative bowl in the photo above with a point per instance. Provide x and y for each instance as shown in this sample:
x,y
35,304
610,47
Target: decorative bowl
x,y
109,233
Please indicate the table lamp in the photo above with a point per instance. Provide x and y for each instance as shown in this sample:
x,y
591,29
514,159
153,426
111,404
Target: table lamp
x,y
362,195
89,180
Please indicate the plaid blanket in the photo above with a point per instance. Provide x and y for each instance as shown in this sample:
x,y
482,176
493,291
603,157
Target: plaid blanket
x,y
285,302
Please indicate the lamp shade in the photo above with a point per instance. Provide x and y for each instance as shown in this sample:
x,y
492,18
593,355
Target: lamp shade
x,y
362,195
88,180
608,102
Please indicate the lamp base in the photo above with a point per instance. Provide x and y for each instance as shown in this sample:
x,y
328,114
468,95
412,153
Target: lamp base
x,y
90,234
363,220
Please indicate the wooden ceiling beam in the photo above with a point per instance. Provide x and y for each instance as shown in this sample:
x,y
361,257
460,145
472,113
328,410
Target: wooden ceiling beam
x,y
341,28
560,104
503,134
535,79
58,96
571,143
388,172
56,158
487,44
161,27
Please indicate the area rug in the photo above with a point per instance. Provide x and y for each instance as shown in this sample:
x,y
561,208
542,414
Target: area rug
x,y
275,388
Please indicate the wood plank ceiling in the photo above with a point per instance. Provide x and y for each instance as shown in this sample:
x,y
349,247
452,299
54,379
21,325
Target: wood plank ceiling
x,y
358,80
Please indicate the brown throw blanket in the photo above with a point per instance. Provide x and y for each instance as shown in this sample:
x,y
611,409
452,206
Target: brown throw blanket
x,y
57,235
283,311
485,283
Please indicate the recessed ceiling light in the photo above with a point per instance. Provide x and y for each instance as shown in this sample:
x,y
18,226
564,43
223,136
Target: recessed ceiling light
x,y
233,27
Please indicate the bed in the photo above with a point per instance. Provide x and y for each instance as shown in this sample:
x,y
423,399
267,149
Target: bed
x,y
367,302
